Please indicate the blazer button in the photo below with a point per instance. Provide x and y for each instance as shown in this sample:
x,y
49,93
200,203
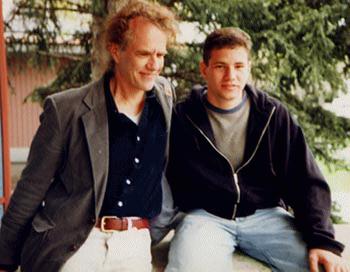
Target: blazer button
x,y
93,220
74,247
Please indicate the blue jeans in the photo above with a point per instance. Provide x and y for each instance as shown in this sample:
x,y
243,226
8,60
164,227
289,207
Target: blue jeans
x,y
205,242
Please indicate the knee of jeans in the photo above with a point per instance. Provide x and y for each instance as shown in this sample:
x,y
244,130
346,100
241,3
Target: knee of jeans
x,y
199,233
203,259
200,239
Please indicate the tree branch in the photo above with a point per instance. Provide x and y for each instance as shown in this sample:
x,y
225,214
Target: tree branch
x,y
60,55
71,8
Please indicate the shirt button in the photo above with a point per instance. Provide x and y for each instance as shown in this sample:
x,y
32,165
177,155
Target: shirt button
x,y
120,204
138,138
128,181
137,160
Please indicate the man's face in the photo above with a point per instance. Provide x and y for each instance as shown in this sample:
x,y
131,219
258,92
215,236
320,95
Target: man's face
x,y
226,75
141,61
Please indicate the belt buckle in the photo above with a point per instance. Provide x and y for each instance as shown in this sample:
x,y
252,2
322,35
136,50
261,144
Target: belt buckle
x,y
103,223
129,222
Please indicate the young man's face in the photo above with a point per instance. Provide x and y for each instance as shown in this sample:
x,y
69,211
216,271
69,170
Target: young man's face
x,y
226,75
138,65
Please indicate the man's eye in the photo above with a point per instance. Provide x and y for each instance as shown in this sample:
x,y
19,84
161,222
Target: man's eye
x,y
142,54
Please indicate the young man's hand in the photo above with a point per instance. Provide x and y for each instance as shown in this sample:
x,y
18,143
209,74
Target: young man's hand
x,y
330,261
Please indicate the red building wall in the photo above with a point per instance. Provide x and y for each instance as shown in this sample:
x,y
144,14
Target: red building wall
x,y
24,117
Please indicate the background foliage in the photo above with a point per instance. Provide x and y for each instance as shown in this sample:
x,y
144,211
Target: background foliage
x,y
301,51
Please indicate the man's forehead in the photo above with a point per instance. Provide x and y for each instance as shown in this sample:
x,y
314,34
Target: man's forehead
x,y
135,22
140,22
229,53
142,30
151,50
230,49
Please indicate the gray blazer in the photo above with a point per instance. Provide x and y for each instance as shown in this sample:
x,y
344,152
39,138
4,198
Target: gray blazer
x,y
61,190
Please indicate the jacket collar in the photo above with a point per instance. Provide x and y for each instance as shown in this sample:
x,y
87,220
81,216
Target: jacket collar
x,y
162,90
196,111
165,97
260,110
95,124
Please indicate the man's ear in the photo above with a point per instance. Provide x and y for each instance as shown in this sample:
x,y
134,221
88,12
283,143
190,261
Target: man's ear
x,y
114,51
203,69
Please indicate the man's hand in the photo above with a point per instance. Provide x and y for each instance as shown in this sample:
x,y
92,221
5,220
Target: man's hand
x,y
330,261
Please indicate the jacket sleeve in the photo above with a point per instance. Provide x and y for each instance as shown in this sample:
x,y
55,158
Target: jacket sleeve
x,y
306,190
44,160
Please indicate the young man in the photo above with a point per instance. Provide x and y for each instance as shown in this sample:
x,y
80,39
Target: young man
x,y
237,159
93,177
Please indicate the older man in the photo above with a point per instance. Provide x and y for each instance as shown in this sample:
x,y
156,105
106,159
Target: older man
x,y
93,177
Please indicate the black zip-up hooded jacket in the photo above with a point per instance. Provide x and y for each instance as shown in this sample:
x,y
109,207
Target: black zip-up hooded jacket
x,y
278,168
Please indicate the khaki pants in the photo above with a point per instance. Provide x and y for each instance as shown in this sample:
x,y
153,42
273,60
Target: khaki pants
x,y
116,251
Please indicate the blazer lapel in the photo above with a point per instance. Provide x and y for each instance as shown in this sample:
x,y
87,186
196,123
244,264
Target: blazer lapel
x,y
95,123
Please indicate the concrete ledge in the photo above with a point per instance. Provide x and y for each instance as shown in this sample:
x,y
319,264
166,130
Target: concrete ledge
x,y
241,262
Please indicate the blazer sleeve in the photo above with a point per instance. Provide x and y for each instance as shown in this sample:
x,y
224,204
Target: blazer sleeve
x,y
44,160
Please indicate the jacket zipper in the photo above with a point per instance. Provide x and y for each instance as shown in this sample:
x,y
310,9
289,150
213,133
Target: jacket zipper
x,y
235,173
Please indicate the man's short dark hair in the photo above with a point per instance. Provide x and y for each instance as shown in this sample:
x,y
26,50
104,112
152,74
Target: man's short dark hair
x,y
230,37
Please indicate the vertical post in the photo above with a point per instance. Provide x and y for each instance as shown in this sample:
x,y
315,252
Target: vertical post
x,y
4,110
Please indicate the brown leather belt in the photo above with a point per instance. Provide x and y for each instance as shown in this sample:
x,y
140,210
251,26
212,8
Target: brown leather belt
x,y
113,223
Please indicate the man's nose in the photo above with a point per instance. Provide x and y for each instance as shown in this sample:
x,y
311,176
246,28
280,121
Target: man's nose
x,y
154,63
231,73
